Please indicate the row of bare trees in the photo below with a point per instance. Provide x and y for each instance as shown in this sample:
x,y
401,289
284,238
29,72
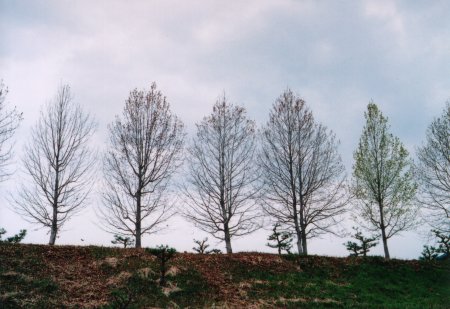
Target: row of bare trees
x,y
289,171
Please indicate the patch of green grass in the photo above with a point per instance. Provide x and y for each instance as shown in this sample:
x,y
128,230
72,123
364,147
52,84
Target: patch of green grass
x,y
193,291
21,291
140,292
101,252
370,283
137,292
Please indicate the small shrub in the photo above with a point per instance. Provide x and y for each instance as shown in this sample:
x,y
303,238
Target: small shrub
x,y
283,240
364,245
431,253
164,254
201,246
13,239
428,254
122,240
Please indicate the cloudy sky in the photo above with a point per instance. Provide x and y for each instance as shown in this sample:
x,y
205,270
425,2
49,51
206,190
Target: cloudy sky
x,y
337,55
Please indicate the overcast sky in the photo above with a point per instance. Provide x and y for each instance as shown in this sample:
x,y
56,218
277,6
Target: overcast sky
x,y
337,55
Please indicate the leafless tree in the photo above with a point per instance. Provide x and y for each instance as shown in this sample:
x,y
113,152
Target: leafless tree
x,y
434,172
302,172
219,191
144,151
60,164
9,122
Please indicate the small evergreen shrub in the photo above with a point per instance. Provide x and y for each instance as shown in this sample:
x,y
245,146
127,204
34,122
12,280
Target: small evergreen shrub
x,y
364,245
282,240
13,239
163,254
122,240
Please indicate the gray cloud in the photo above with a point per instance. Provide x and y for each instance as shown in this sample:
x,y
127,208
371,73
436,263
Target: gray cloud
x,y
336,55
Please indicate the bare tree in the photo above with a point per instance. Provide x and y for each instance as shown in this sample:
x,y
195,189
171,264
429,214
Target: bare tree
x,y
144,151
302,172
434,172
59,163
219,190
9,122
383,180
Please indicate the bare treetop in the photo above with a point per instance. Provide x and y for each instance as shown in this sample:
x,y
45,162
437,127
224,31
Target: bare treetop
x,y
145,149
9,122
59,163
434,172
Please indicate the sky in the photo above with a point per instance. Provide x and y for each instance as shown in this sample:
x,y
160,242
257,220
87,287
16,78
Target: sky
x,y
336,55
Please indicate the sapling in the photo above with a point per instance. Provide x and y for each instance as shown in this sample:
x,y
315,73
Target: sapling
x,y
201,246
164,254
283,240
122,240
364,244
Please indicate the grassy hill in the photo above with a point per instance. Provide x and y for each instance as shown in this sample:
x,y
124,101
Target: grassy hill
x,y
38,276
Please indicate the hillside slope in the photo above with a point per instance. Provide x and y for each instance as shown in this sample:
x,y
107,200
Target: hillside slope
x,y
38,276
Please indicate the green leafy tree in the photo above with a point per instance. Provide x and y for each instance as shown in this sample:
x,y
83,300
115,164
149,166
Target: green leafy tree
x,y
433,172
282,240
122,240
13,239
383,181
163,254
364,245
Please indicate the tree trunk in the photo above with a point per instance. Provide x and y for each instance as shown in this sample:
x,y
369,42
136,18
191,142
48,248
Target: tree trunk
x,y
227,239
54,228
302,220
299,243
278,240
304,244
383,234
298,232
138,220
385,246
